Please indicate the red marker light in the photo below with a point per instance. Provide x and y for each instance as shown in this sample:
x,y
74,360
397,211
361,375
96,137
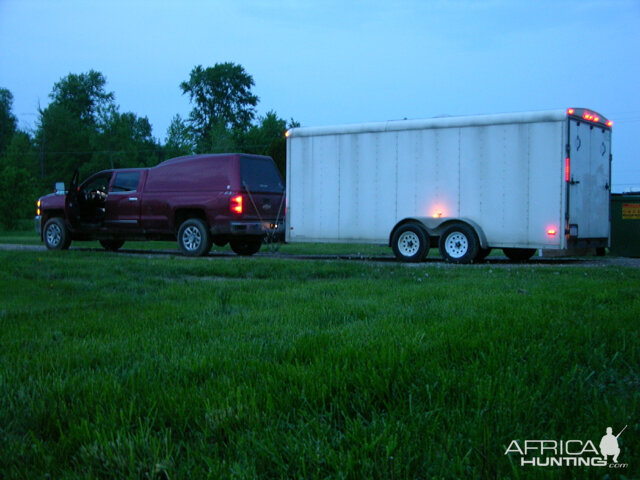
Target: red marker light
x,y
571,111
567,169
551,232
609,123
236,205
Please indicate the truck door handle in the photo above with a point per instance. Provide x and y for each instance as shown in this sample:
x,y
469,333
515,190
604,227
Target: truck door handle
x,y
574,182
133,199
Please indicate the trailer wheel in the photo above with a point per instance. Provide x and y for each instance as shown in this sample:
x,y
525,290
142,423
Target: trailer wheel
x,y
459,244
519,254
194,238
56,236
410,243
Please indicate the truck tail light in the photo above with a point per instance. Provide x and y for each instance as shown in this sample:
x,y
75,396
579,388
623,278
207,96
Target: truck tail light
x,y
236,205
567,169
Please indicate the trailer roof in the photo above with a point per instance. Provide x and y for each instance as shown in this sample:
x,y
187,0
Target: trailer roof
x,y
438,122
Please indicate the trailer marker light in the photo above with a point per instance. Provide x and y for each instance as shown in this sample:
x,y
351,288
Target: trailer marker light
x,y
567,169
438,214
236,204
287,134
609,123
571,111
551,232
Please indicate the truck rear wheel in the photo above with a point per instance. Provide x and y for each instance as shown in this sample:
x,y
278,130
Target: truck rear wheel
x,y
459,244
519,254
246,246
410,243
194,238
56,236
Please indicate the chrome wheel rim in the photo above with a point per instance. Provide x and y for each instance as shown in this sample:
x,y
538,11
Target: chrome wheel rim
x,y
191,238
456,245
408,244
54,234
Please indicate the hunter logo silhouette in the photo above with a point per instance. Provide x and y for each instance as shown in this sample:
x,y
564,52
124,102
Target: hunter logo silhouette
x,y
609,445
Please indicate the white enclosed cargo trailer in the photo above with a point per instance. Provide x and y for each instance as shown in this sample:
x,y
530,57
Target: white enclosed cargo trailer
x,y
519,182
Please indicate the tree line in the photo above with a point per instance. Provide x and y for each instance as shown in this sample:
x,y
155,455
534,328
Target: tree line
x,y
84,128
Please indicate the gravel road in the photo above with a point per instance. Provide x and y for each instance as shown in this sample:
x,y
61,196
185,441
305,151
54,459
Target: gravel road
x,y
496,261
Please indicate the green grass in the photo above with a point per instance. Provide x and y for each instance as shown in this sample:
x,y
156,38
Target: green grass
x,y
113,366
29,237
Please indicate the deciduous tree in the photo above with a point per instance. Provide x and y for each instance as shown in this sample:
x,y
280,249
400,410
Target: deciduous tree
x,y
221,96
8,121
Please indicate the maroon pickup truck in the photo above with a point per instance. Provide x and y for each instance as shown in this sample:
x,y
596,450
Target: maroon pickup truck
x,y
198,200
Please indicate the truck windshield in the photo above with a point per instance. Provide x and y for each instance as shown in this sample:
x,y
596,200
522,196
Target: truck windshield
x,y
260,175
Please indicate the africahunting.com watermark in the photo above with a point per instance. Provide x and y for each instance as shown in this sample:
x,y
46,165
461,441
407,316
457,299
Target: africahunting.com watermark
x,y
569,453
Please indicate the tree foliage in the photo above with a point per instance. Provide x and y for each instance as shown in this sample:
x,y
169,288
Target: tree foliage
x,y
267,138
16,182
83,128
221,97
179,139
8,122
17,196
84,96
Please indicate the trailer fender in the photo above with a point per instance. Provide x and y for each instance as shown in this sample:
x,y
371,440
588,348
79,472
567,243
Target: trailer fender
x,y
435,226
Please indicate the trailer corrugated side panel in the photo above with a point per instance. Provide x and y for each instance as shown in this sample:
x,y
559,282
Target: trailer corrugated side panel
x,y
354,186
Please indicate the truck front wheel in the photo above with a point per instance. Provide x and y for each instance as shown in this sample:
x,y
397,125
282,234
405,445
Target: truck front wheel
x,y
56,236
410,243
459,244
194,238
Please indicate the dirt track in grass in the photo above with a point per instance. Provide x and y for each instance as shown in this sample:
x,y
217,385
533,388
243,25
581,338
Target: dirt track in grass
x,y
494,261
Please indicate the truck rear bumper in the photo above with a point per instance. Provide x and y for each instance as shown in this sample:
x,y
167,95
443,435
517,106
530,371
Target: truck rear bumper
x,y
255,228
37,223
239,229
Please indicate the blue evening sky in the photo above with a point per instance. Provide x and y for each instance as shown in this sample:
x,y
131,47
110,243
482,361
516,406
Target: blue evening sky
x,y
331,62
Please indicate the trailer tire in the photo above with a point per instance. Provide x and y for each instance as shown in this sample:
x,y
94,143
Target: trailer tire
x,y
194,238
56,235
410,243
459,244
519,254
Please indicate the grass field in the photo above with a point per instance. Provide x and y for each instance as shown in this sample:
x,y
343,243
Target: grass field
x,y
119,366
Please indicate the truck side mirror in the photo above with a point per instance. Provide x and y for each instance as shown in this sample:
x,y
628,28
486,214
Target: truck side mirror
x,y
60,188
